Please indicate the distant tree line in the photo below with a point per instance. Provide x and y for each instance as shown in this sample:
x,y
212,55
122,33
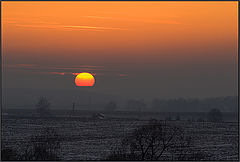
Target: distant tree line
x,y
226,104
214,114
137,105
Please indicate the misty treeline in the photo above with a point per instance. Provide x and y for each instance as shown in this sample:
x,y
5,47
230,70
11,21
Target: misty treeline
x,y
225,104
214,114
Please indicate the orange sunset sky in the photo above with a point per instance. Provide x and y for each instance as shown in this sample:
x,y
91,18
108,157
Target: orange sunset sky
x,y
162,48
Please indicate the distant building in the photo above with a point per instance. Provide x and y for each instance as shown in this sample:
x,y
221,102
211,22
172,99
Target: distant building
x,y
98,116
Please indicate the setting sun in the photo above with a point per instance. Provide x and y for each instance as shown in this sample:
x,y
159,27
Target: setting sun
x,y
84,79
120,80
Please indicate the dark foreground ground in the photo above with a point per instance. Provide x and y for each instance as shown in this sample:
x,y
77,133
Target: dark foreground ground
x,y
93,139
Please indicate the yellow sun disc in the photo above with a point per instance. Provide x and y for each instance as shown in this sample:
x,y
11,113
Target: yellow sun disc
x,y
84,79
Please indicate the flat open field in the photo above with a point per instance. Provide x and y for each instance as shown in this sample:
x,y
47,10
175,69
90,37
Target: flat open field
x,y
93,139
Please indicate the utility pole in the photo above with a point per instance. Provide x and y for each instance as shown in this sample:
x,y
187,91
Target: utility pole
x,y
73,108
90,103
139,112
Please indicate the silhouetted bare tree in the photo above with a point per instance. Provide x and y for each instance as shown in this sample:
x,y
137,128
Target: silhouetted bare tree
x,y
215,115
43,106
111,106
155,141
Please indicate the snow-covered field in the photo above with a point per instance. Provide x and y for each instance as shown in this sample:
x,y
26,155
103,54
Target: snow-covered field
x,y
93,139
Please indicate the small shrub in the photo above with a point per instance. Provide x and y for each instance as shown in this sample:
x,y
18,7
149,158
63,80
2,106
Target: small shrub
x,y
43,146
8,154
215,115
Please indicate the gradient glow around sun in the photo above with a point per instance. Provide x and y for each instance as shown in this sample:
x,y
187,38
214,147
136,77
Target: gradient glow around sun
x,y
84,79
